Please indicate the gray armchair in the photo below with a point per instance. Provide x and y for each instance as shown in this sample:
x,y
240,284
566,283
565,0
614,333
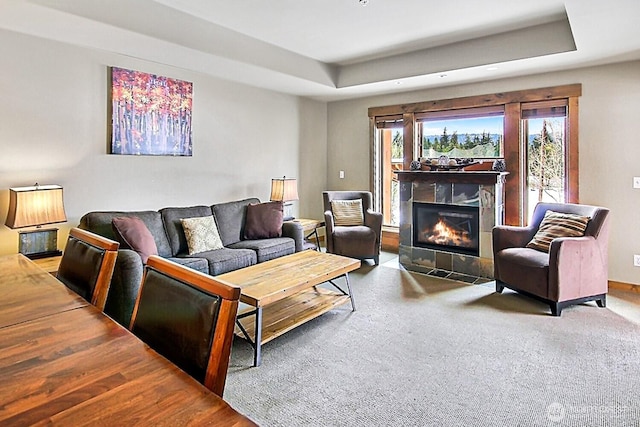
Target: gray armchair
x,y
355,241
572,272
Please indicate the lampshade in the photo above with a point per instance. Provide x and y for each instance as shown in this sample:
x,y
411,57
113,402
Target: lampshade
x,y
284,189
35,206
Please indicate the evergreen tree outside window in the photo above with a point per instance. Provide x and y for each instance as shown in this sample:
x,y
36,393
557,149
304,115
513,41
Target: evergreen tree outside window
x,y
546,160
544,128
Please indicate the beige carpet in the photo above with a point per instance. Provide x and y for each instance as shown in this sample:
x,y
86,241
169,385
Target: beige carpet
x,y
423,351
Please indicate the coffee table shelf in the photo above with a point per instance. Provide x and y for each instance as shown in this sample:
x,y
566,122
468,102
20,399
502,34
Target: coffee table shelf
x,y
291,312
284,293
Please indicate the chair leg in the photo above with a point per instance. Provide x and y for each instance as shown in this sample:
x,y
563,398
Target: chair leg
x,y
602,302
499,286
556,309
376,260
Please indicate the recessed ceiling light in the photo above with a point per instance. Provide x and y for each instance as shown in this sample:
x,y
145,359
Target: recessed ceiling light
x,y
443,76
363,2
398,82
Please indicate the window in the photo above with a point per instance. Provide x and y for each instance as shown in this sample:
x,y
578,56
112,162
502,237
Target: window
x,y
469,133
535,131
544,130
390,140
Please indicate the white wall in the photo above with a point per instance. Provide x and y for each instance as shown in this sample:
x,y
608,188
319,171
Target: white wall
x,y
609,148
53,130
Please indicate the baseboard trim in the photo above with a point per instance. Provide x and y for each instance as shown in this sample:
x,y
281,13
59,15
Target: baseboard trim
x,y
390,239
624,286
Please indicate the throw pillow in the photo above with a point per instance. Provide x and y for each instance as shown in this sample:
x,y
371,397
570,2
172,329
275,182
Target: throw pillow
x,y
201,234
132,233
347,212
556,224
264,220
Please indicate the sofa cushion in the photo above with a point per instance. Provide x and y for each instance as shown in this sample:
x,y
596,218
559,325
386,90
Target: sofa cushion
x,y
557,224
230,217
199,264
201,234
224,260
347,212
524,268
100,223
175,233
267,249
132,233
264,220
355,240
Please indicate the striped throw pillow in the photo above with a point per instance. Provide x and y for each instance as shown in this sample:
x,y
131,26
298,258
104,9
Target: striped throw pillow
x,y
347,212
556,224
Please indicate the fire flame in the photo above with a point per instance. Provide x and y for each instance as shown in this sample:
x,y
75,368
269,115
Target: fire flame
x,y
443,234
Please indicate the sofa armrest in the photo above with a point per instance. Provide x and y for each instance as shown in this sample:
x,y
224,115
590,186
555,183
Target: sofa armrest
x,y
294,230
125,283
577,268
509,236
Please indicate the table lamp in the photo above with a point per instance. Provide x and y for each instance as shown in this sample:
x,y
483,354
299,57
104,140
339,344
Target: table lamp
x,y
34,207
284,190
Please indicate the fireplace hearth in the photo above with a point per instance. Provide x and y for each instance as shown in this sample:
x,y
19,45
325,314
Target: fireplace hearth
x,y
448,228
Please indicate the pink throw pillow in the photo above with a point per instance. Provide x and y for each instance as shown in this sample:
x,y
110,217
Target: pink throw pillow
x,y
132,233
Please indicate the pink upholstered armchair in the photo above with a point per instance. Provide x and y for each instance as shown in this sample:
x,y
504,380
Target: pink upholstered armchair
x,y
572,272
356,241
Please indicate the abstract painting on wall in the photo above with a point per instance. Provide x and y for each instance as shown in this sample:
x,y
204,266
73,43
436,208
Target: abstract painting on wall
x,y
150,115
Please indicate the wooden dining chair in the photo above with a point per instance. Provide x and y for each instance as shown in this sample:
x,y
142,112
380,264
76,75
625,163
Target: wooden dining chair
x,y
188,317
87,265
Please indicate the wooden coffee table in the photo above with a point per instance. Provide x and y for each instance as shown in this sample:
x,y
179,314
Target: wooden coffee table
x,y
284,293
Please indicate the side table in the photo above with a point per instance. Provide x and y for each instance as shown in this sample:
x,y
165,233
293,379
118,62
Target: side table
x,y
49,264
310,229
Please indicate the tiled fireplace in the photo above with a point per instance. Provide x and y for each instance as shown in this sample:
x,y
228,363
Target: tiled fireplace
x,y
446,219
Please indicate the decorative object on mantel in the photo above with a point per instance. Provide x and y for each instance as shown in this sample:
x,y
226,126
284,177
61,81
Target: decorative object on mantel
x,y
150,115
499,165
415,165
444,163
443,160
36,206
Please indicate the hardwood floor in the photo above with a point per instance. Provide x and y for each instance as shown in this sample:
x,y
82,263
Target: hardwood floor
x,y
625,303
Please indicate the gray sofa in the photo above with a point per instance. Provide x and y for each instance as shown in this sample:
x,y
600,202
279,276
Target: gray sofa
x,y
170,240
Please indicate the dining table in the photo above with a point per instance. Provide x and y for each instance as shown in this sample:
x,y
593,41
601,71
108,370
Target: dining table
x,y
64,362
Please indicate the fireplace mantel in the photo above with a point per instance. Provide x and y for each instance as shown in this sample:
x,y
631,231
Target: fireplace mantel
x,y
470,177
481,189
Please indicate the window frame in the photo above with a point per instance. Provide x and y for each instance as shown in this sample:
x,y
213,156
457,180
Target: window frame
x,y
544,109
383,183
514,156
